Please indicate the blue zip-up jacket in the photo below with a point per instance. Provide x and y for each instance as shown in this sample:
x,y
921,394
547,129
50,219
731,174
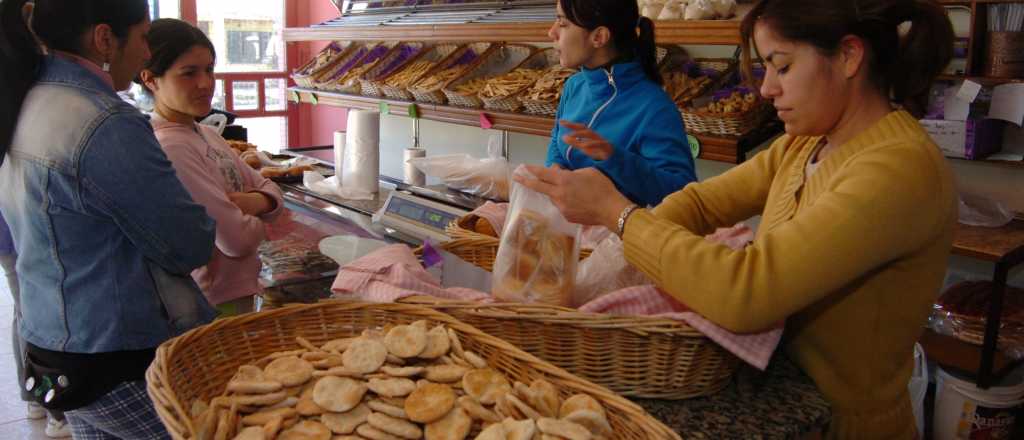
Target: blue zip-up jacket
x,y
651,157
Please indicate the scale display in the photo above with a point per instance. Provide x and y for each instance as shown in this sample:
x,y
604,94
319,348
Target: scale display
x,y
421,214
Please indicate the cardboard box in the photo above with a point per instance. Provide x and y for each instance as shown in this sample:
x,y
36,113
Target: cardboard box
x,y
971,139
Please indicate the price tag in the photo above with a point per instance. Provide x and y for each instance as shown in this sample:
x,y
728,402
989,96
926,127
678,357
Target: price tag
x,y
694,145
314,99
385,109
414,111
295,96
485,122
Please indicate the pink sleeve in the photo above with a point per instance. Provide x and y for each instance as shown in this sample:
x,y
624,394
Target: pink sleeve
x,y
238,234
255,182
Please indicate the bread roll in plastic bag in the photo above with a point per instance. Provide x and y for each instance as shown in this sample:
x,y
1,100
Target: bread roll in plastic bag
x,y
488,178
539,250
604,271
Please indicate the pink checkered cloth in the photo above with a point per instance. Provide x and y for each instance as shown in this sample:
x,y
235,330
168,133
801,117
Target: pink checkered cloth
x,y
754,348
393,272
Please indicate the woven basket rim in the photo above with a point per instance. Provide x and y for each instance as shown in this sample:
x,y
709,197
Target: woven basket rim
x,y
445,64
473,73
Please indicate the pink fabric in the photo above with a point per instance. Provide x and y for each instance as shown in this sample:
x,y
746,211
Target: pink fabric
x,y
755,348
494,213
393,272
210,170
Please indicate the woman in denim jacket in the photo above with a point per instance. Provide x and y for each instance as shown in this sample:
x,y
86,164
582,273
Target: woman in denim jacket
x,y
106,233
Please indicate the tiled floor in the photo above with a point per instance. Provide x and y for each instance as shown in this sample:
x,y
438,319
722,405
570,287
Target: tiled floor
x,y
13,423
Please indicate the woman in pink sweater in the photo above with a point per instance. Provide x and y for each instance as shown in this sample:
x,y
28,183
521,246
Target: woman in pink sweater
x,y
179,76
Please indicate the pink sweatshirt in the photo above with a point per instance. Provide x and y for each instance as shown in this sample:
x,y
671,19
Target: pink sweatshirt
x,y
210,170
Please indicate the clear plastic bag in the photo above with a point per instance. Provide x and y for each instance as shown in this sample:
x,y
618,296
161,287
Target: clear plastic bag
x,y
539,250
981,211
604,271
962,310
488,178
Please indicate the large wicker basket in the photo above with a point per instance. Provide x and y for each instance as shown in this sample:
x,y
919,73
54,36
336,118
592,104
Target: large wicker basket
x,y
634,356
500,61
726,124
435,55
540,60
341,64
371,82
348,81
479,249
307,75
434,94
198,364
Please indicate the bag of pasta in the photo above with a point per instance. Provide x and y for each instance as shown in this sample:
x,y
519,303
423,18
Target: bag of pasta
x,y
536,260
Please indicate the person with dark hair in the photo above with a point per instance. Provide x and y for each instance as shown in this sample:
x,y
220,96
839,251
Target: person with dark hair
x,y
179,77
858,205
617,95
106,235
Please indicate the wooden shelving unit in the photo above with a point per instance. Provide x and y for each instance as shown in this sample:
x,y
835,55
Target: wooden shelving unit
x,y
722,149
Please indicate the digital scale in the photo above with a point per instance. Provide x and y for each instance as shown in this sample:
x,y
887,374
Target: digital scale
x,y
418,216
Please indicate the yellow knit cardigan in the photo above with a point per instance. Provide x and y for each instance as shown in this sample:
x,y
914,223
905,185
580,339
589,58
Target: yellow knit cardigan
x,y
852,258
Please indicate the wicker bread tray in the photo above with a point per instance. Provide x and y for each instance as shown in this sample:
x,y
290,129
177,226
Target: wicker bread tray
x,y
433,56
539,60
465,59
198,364
502,60
371,82
306,75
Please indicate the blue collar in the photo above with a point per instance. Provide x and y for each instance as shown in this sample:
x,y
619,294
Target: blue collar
x,y
624,74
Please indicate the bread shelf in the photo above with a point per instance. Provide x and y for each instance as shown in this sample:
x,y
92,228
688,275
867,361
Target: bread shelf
x,y
986,81
722,149
990,244
713,32
962,357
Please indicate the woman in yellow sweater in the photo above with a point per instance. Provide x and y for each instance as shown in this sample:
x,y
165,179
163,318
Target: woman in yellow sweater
x,y
857,204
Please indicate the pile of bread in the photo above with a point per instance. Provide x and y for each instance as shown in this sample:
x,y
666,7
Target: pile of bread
x,y
536,262
248,153
738,101
506,84
687,9
405,382
683,88
548,87
409,74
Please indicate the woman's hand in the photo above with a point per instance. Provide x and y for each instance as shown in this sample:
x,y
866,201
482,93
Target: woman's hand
x,y
736,237
584,196
252,203
587,141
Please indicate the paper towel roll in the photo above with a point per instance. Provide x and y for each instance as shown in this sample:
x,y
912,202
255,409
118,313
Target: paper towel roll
x,y
413,175
361,167
339,154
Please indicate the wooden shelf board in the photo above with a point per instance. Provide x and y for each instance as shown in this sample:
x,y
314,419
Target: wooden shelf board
x,y
722,149
1004,163
989,244
715,32
983,80
964,358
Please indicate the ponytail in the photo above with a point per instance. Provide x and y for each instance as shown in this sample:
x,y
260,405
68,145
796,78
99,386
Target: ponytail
x,y
57,25
646,51
21,58
902,67
923,54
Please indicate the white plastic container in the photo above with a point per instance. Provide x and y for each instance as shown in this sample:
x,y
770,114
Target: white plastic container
x,y
963,411
918,387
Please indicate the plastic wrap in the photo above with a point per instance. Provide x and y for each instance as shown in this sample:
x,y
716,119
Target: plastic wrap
x,y
980,211
539,250
961,312
291,252
488,178
604,271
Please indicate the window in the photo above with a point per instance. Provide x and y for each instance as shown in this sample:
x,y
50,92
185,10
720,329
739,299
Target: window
x,y
247,34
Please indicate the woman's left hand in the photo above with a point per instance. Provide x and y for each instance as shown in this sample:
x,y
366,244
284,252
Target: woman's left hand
x,y
585,196
587,141
252,203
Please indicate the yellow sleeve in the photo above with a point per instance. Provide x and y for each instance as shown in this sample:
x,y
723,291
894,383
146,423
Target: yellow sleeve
x,y
881,205
724,200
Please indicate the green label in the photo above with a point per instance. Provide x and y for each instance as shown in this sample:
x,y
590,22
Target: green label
x,y
314,99
295,96
385,109
414,111
694,145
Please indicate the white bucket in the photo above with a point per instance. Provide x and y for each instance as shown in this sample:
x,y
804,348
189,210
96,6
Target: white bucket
x,y
963,411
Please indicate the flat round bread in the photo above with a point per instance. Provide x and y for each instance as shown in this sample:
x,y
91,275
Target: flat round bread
x,y
564,429
406,341
338,394
429,403
578,402
453,426
519,429
445,373
395,426
437,343
477,411
306,430
251,433
395,387
364,356
596,423
387,408
346,422
289,370
493,432
485,385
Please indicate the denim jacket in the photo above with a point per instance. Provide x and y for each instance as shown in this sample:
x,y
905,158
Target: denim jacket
x,y
106,234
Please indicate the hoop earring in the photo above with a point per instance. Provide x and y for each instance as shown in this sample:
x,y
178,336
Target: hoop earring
x,y
106,67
